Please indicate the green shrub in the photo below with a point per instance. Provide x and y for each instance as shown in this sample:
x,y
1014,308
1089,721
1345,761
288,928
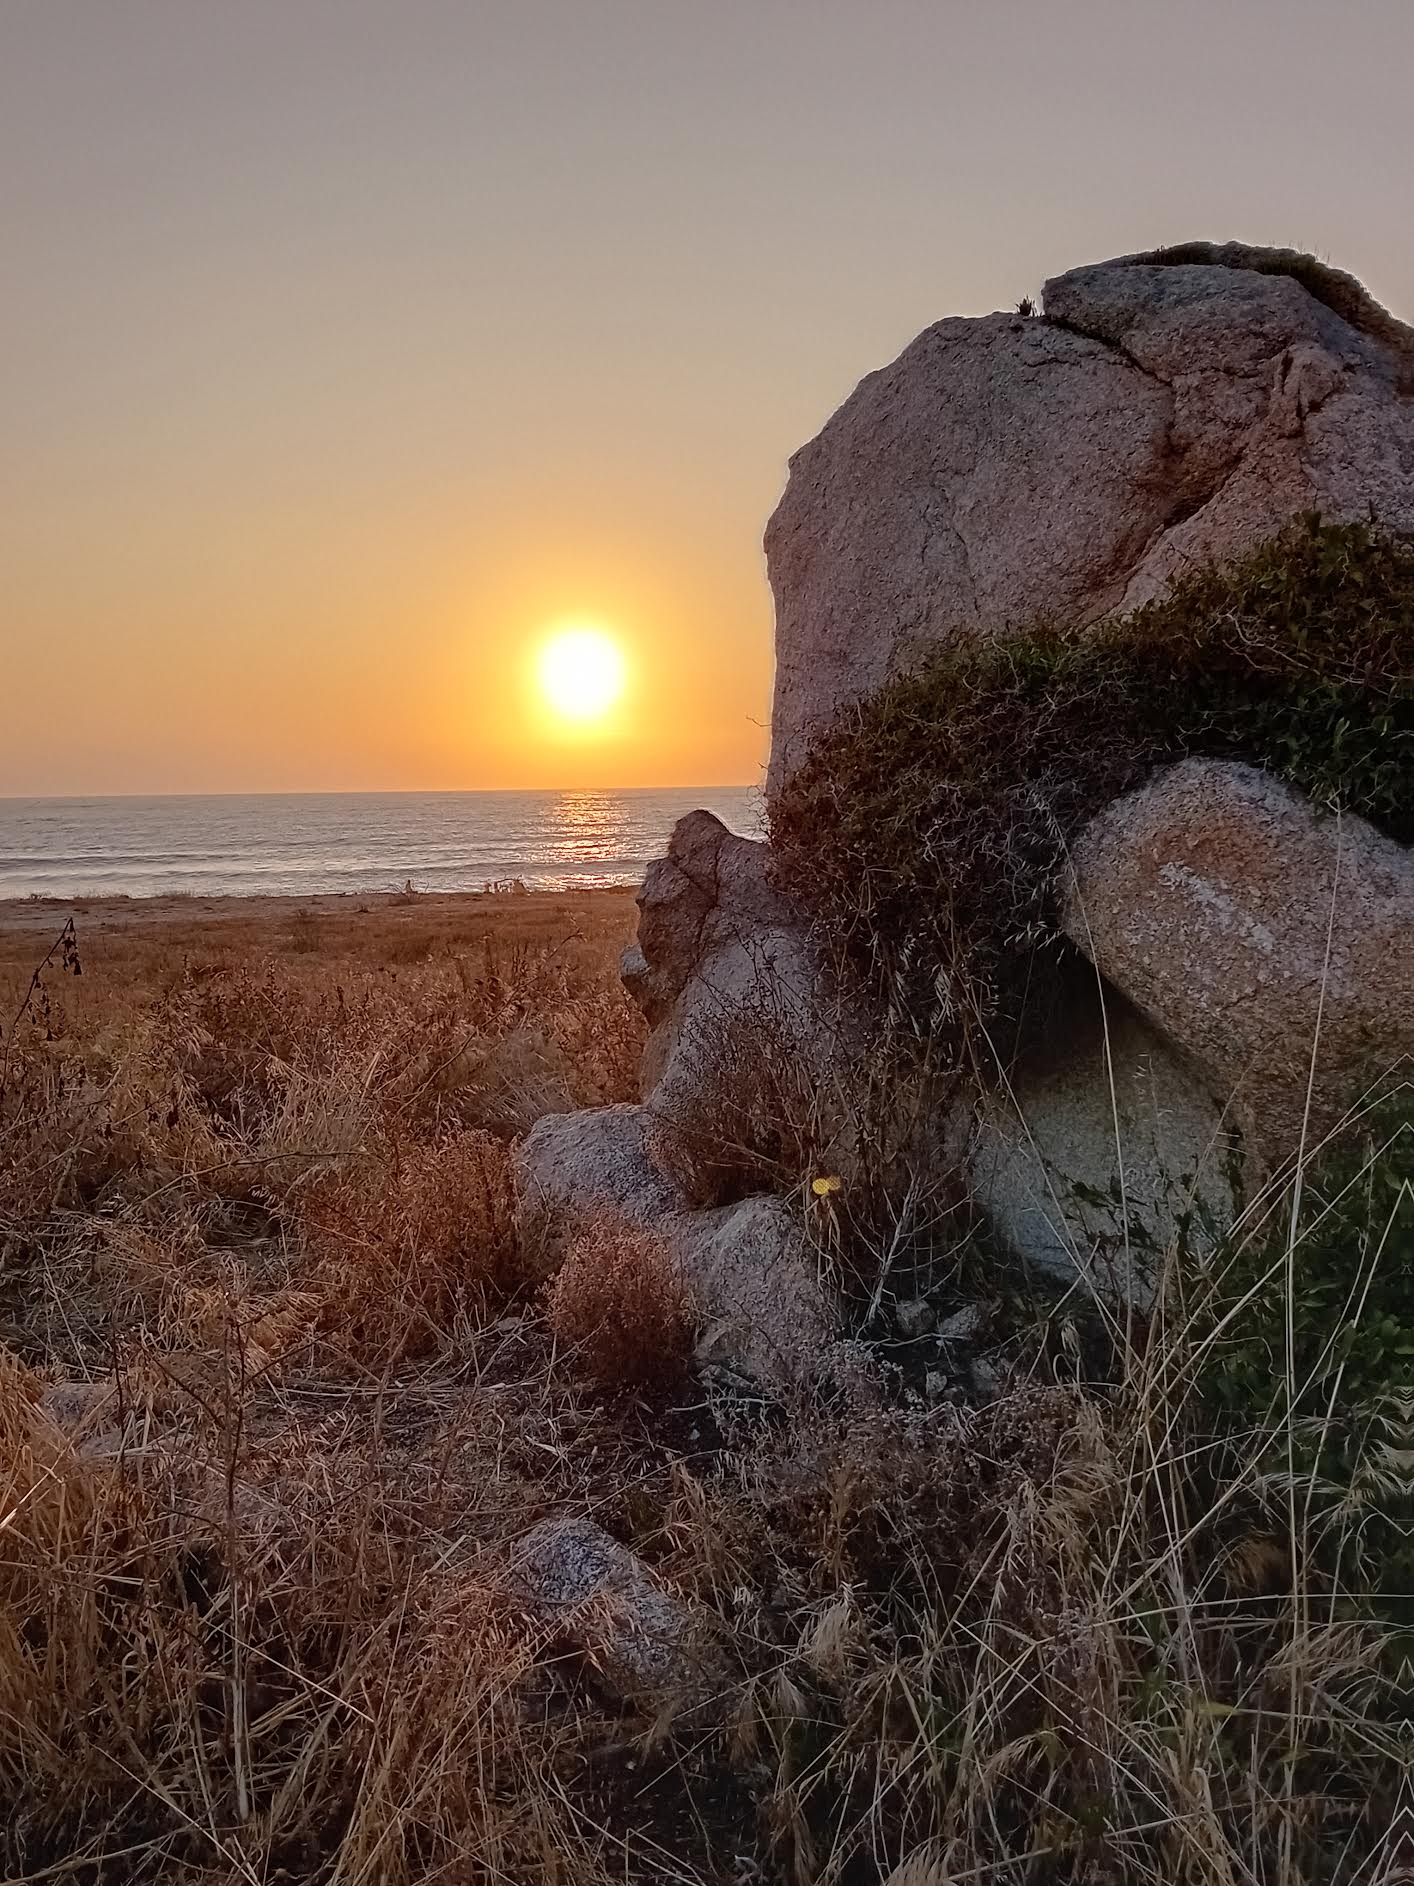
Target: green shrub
x,y
1307,1369
928,829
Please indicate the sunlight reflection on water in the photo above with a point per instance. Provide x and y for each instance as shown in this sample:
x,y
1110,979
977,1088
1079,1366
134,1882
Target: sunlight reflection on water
x,y
346,841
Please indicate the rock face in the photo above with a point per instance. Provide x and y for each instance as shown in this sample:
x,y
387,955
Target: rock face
x,y
1169,409
1246,929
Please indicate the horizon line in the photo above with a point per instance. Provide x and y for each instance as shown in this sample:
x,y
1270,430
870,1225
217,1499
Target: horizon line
x,y
376,792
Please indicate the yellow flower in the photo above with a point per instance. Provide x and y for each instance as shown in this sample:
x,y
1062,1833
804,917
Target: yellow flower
x,y
824,1186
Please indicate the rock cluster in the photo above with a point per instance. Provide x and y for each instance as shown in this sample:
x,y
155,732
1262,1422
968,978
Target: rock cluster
x,y
729,980
1241,962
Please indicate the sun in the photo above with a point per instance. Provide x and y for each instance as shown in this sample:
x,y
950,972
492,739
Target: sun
x,y
581,673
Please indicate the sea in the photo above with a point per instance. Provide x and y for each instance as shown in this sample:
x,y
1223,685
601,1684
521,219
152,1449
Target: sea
x,y
302,843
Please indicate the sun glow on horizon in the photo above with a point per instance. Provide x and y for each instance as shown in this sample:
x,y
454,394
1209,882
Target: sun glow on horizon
x,y
581,672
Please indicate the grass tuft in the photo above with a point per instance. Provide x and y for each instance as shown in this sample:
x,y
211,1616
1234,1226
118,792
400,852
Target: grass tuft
x,y
619,1309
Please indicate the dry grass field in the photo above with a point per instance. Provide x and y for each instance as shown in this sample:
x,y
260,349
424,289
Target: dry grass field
x,y
278,1400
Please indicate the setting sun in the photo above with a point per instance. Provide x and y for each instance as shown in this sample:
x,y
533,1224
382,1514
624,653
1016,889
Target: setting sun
x,y
581,673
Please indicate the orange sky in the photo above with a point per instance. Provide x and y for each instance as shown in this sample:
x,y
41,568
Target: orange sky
x,y
348,346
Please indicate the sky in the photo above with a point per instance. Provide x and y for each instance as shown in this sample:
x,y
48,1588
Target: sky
x,y
349,350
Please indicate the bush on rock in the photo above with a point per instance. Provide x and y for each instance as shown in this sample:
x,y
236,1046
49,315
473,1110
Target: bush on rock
x,y
928,829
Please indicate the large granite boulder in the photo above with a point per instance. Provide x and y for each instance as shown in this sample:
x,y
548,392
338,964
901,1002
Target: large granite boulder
x,y
1273,946
1167,409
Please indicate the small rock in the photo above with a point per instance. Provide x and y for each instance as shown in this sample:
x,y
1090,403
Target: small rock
x,y
76,1407
987,1380
935,1384
645,1647
967,1325
913,1318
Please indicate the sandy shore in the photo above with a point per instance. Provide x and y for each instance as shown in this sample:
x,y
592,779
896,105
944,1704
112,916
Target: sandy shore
x,y
120,931
36,915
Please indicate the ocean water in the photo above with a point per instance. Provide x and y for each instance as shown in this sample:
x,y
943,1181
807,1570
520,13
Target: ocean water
x,y
360,841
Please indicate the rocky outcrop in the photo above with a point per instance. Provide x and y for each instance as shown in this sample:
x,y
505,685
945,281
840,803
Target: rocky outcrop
x,y
641,1644
1168,409
1273,946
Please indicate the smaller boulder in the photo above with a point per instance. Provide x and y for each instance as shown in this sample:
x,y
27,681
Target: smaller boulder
x,y
644,1646
1252,932
763,1060
571,1166
752,1275
716,941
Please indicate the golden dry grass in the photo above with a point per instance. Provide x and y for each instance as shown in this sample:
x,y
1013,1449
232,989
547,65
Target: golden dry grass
x,y
618,1309
276,1406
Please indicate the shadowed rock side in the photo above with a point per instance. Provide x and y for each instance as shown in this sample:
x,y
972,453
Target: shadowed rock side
x,y
1097,1144
1008,470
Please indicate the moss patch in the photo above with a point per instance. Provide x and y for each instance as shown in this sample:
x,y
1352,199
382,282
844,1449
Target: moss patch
x,y
929,829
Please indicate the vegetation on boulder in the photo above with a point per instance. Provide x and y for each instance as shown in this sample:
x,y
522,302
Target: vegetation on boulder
x,y
928,829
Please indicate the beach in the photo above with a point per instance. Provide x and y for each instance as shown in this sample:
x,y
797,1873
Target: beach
x,y
343,919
